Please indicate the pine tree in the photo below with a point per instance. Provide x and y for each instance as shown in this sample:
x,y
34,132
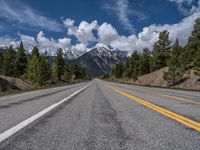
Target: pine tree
x,y
134,64
175,72
76,71
197,60
67,76
35,52
54,71
79,72
191,49
59,61
9,62
119,70
38,68
1,62
21,61
32,69
161,51
127,68
43,71
144,65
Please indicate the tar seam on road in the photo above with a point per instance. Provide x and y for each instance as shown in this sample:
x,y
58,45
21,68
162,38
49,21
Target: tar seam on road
x,y
186,121
12,131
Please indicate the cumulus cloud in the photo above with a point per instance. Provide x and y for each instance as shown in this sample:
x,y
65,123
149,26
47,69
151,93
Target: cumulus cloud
x,y
28,41
90,34
148,36
51,45
107,33
22,14
83,32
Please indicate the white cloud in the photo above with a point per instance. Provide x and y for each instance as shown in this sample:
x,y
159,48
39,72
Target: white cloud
x,y
122,10
50,45
23,14
107,33
148,36
187,7
68,22
28,41
181,1
90,34
7,41
84,32
80,47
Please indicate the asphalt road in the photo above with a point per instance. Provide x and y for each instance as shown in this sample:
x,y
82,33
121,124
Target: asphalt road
x,y
105,116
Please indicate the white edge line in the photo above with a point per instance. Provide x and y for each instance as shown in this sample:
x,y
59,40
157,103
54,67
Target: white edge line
x,y
10,132
2,98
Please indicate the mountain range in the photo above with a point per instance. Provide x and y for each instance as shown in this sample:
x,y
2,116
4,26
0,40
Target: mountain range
x,y
100,60
97,61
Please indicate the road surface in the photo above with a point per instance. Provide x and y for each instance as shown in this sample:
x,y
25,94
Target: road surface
x,y
103,116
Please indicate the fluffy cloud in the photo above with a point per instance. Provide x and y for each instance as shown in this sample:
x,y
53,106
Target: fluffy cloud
x,y
50,45
84,32
68,22
89,34
28,41
107,33
148,36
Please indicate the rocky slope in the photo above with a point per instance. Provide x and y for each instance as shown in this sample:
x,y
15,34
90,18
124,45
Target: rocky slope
x,y
10,84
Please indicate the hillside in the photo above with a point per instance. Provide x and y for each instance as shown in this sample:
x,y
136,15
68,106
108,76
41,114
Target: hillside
x,y
10,84
154,79
192,81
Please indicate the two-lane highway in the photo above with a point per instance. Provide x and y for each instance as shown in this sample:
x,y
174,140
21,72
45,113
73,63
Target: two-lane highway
x,y
105,116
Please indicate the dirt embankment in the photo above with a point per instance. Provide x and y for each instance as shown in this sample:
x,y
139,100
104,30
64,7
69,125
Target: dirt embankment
x,y
153,79
11,84
191,80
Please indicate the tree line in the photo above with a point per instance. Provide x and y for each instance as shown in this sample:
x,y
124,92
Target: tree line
x,y
37,68
178,58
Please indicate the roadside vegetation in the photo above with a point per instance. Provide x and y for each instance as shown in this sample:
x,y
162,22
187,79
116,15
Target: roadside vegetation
x,y
37,69
179,59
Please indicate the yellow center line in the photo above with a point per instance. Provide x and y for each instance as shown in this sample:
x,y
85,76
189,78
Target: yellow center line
x,y
186,121
180,99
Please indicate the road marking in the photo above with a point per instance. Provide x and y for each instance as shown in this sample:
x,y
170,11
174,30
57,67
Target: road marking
x,y
180,99
10,132
186,121
2,98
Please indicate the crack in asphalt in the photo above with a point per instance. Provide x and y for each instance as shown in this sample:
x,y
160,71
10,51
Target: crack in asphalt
x,y
105,131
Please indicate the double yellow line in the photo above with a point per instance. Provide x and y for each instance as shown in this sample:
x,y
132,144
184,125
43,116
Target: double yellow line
x,y
186,121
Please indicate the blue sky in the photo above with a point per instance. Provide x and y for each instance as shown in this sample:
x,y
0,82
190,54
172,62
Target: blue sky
x,y
119,24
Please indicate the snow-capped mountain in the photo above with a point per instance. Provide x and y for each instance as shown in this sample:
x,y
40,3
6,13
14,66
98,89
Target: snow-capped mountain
x,y
100,60
71,54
